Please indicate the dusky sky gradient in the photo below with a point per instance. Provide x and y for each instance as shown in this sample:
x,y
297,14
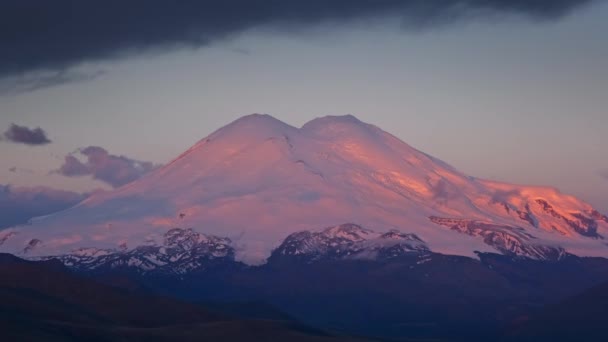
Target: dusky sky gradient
x,y
511,99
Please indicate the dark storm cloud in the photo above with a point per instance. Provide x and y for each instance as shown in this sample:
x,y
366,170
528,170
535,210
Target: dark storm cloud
x,y
25,135
19,204
42,35
103,166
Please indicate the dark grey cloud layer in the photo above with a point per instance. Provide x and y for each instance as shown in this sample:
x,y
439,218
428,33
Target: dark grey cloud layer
x,y
43,35
19,204
25,135
103,166
603,173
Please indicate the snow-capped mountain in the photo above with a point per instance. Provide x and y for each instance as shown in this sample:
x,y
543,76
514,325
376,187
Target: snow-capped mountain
x,y
348,241
182,251
246,188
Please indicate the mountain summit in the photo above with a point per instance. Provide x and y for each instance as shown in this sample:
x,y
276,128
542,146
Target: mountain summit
x,y
258,180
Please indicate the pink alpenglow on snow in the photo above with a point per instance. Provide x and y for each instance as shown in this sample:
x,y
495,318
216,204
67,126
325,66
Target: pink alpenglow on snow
x,y
258,180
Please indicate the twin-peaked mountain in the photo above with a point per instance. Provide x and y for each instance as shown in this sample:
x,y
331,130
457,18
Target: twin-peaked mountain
x,y
259,185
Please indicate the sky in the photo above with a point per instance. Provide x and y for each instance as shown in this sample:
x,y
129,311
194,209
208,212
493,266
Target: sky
x,y
513,92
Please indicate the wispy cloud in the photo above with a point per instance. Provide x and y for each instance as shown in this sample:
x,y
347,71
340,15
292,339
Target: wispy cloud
x,y
15,169
33,81
502,196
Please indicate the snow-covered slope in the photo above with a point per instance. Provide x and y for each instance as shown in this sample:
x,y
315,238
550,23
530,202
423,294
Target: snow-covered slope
x,y
258,180
348,241
182,251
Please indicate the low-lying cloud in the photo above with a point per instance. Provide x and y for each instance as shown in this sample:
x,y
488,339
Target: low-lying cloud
x,y
504,196
19,204
25,135
101,165
443,192
43,35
